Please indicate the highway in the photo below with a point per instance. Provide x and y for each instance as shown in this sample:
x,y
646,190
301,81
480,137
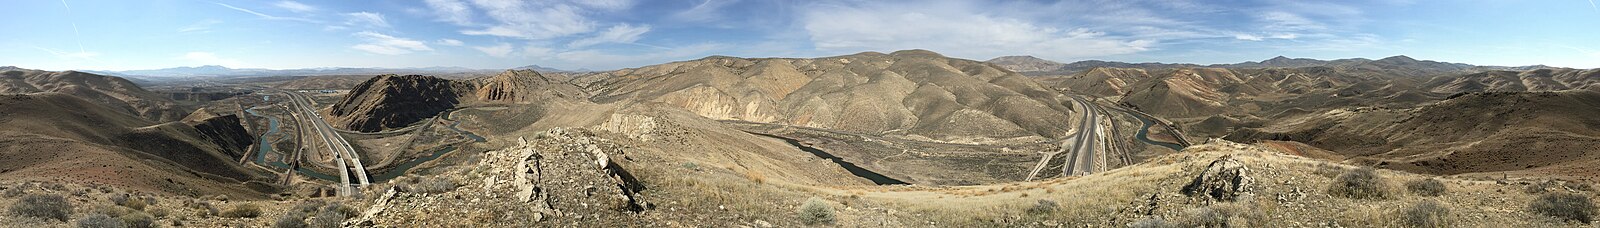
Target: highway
x,y
1080,157
343,154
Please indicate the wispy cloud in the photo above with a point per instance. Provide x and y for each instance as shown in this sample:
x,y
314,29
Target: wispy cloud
x,y
295,6
956,29
369,19
450,42
707,10
267,16
532,20
501,50
622,33
378,43
453,11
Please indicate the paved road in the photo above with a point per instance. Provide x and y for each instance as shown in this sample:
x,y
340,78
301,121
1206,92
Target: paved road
x,y
1085,158
1080,157
344,155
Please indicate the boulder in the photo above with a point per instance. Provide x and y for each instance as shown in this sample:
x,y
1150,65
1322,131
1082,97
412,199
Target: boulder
x,y
1225,179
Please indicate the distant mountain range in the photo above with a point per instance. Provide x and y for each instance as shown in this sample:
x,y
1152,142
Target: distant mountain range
x,y
221,71
1033,66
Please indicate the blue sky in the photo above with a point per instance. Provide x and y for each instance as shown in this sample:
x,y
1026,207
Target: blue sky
x,y
611,34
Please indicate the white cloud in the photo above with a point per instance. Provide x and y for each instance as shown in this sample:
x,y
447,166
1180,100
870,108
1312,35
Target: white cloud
x,y
295,6
502,50
606,4
622,33
1255,37
532,20
208,58
366,19
707,10
594,59
954,29
267,16
453,11
379,43
450,42
1285,21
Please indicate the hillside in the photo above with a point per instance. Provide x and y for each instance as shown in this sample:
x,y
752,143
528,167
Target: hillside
x,y
393,101
114,92
1525,133
914,93
58,137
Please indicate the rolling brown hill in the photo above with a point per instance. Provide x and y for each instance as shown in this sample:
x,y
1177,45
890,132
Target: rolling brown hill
x,y
54,136
1530,80
393,101
1551,133
114,92
913,93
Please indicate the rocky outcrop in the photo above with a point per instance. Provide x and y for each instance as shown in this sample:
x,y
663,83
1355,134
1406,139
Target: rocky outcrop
x,y
522,86
1225,179
393,101
561,177
578,168
227,132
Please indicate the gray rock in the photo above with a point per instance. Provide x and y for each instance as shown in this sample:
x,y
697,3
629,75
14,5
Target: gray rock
x,y
1225,179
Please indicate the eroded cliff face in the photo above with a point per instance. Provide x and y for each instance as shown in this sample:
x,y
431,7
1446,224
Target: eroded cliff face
x,y
394,101
227,132
916,93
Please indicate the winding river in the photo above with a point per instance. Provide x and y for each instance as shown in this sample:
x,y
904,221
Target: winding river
x,y
1144,133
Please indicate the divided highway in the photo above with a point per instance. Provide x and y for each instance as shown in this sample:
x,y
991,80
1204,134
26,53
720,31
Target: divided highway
x,y
344,155
1080,157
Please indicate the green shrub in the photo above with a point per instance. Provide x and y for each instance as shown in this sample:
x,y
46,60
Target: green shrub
x,y
327,219
138,220
243,211
293,219
816,211
1363,183
1425,214
1542,187
309,206
97,220
1426,187
45,206
14,191
344,212
159,212
1151,222
1220,215
1566,206
1043,206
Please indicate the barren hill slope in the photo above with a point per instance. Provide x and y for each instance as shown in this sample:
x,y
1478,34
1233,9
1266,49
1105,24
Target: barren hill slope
x,y
393,101
52,136
915,93
114,92
1553,133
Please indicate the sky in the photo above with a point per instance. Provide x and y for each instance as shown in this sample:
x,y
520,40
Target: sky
x,y
613,34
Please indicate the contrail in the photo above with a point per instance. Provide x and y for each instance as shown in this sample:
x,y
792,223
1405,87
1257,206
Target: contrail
x,y
1592,5
75,34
